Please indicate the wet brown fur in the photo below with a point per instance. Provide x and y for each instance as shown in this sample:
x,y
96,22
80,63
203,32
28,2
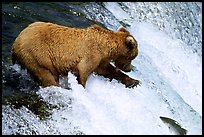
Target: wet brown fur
x,y
48,50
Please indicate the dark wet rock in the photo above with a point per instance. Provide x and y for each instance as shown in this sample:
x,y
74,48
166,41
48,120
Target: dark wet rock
x,y
31,101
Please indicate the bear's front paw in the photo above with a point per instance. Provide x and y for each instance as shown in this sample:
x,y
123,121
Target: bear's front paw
x,y
132,83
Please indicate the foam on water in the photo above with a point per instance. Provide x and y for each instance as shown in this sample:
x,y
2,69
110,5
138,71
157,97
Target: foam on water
x,y
180,67
177,62
105,108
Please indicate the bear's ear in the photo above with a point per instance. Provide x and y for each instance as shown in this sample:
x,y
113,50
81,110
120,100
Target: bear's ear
x,y
123,30
130,42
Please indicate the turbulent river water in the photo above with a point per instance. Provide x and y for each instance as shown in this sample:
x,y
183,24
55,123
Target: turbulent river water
x,y
169,66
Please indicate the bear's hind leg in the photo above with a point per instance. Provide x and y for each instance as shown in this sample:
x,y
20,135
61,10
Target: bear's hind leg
x,y
46,78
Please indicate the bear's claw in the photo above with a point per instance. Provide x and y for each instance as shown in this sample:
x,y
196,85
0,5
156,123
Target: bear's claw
x,y
133,83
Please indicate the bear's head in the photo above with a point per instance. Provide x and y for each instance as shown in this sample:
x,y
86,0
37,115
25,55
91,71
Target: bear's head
x,y
130,52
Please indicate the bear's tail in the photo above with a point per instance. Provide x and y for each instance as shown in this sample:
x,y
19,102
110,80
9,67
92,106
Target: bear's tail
x,y
16,60
13,57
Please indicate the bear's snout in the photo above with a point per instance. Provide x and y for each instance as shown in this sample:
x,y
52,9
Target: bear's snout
x,y
127,67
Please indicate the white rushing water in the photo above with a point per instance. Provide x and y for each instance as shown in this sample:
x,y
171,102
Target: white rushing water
x,y
171,77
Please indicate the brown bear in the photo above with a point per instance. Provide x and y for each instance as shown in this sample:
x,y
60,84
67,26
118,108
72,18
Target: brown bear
x,y
48,50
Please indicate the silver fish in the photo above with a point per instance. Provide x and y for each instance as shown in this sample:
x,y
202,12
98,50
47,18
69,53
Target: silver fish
x,y
174,126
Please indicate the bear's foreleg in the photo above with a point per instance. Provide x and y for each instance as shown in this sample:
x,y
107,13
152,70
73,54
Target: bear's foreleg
x,y
109,71
85,67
